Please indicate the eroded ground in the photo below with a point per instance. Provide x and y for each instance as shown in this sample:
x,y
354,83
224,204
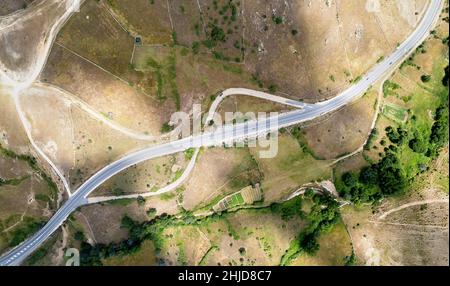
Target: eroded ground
x,y
115,74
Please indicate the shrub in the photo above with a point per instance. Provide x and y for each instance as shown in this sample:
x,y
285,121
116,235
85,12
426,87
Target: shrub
x,y
425,78
277,19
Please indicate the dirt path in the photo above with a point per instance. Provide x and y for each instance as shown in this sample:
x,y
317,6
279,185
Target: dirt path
x,y
41,58
159,192
407,205
72,99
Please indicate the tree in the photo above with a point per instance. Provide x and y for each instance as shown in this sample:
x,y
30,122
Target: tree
x,y
308,242
425,78
195,47
166,127
349,179
396,136
217,34
369,176
79,235
277,19
350,260
273,88
127,222
140,200
445,79
151,211
418,145
391,177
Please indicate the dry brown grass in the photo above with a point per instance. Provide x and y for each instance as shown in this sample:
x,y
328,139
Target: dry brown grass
x,y
104,93
415,235
10,6
23,42
185,16
12,134
102,221
77,143
105,220
22,201
343,131
149,19
213,176
94,34
145,177
351,164
263,236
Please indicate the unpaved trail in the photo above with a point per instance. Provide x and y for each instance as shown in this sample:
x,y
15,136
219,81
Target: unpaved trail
x,y
19,80
407,205
161,191
26,58
72,99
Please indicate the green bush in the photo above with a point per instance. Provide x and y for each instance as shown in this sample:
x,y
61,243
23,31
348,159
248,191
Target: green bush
x,y
277,19
425,78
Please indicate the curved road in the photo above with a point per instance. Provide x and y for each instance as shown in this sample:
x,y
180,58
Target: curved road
x,y
254,93
226,134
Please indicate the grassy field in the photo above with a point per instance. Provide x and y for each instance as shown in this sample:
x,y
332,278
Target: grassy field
x,y
257,236
234,200
395,112
404,229
415,98
161,63
343,131
246,237
291,168
210,182
148,19
26,194
94,34
335,246
144,257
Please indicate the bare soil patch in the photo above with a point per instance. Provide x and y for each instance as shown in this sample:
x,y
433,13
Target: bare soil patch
x,y
12,134
23,43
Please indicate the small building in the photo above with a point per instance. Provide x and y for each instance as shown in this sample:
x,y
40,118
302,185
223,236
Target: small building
x,y
138,40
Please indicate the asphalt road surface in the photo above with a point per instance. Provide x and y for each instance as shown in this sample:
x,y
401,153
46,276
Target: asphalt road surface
x,y
226,134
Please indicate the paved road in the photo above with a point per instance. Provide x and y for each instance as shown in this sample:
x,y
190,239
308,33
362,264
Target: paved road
x,y
159,192
225,134
253,93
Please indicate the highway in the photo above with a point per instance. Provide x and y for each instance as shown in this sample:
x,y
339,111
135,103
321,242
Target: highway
x,y
226,134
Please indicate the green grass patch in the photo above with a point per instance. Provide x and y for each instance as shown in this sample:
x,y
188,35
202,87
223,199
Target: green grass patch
x,y
389,88
121,202
395,112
